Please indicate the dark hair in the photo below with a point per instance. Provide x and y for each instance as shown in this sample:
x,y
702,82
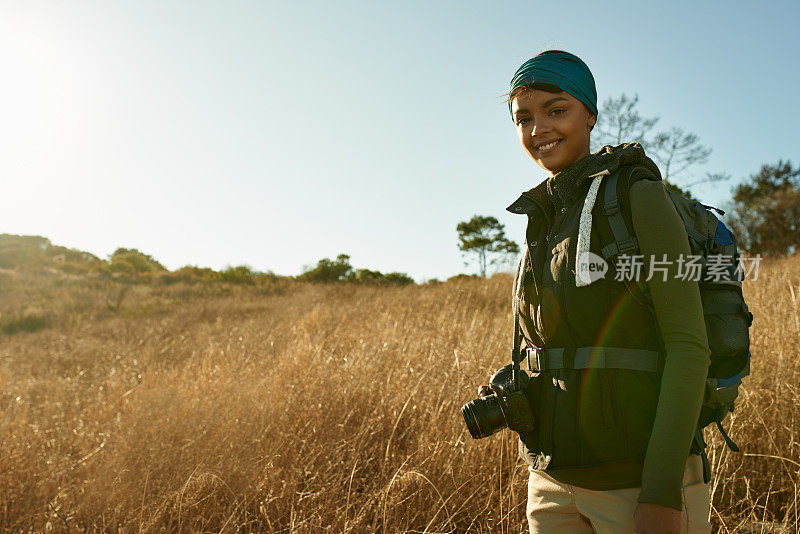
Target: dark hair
x,y
546,87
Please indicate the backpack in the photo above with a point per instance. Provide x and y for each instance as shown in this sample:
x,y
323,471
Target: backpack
x,y
726,315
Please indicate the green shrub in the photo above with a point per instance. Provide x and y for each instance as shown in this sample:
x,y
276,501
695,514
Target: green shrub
x,y
399,279
328,270
241,274
363,276
340,270
463,277
130,260
23,322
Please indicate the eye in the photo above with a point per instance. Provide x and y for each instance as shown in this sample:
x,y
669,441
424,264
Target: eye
x,y
558,111
522,120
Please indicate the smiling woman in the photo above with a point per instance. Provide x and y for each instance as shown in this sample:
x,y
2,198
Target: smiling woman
x,y
615,390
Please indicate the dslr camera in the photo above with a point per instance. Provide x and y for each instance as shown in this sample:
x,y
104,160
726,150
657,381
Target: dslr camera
x,y
507,406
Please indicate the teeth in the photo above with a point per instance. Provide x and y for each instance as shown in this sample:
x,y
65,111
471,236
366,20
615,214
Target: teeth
x,y
548,147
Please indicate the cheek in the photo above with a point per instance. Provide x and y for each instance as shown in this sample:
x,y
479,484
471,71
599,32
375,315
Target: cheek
x,y
523,137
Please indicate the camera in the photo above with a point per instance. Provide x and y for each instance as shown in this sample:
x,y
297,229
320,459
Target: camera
x,y
507,406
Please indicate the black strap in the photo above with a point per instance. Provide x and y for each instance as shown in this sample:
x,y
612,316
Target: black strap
x,y
699,447
728,441
624,241
706,206
516,352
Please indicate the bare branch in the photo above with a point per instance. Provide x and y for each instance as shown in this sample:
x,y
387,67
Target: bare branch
x,y
711,178
676,150
619,121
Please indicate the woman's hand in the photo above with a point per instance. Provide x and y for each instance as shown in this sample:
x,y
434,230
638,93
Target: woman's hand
x,y
485,391
652,518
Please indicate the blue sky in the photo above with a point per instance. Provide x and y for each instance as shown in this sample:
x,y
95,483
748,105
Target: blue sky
x,y
278,133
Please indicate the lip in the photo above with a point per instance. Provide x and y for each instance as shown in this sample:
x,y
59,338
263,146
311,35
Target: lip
x,y
538,149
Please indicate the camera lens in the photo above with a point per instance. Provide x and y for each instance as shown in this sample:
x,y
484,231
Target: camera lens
x,y
483,416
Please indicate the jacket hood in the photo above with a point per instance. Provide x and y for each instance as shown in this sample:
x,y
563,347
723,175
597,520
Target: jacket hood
x,y
561,190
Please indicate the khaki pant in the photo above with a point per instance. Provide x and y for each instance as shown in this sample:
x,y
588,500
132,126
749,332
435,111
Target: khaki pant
x,y
554,507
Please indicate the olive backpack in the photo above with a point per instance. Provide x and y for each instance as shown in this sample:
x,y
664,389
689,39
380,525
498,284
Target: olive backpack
x,y
720,278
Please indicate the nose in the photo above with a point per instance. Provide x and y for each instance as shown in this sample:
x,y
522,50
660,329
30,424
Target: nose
x,y
540,125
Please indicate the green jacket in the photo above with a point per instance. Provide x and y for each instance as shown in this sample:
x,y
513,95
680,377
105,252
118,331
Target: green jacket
x,y
608,428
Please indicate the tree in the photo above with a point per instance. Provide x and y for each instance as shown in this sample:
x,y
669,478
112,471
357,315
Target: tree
x,y
131,260
765,212
240,274
620,122
399,279
674,150
340,270
484,236
677,150
329,270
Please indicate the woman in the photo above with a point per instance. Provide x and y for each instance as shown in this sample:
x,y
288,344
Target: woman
x,y
611,449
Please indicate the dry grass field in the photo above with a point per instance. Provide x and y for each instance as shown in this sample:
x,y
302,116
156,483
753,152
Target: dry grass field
x,y
302,408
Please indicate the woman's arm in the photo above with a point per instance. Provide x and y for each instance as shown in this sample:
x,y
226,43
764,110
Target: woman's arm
x,y
679,313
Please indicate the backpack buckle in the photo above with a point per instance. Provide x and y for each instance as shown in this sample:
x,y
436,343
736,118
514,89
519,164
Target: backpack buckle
x,y
628,244
610,207
539,360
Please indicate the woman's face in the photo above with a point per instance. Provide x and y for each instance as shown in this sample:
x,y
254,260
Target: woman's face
x,y
544,118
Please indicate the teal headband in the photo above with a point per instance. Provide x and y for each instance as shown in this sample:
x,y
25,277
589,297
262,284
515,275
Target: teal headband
x,y
562,69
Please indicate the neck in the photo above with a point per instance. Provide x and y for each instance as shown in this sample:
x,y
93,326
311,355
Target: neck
x,y
583,155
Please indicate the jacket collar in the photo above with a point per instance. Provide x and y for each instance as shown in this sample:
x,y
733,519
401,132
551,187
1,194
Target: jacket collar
x,y
566,187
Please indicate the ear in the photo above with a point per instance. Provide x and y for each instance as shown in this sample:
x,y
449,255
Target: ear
x,y
592,120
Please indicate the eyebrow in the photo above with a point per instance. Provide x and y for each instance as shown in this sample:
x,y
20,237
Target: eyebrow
x,y
556,99
551,101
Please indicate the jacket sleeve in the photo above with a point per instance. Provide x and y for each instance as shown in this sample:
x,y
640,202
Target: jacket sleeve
x,y
679,315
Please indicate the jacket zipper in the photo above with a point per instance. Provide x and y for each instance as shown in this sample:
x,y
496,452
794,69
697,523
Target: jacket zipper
x,y
536,315
554,392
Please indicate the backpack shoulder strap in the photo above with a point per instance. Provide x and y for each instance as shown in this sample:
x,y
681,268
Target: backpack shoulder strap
x,y
624,242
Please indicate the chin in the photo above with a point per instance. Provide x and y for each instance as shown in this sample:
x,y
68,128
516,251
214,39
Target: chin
x,y
552,168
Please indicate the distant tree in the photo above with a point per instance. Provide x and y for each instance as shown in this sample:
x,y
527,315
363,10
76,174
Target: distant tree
x,y
462,276
241,274
130,260
400,279
192,274
340,270
765,212
620,122
328,270
483,237
365,276
674,150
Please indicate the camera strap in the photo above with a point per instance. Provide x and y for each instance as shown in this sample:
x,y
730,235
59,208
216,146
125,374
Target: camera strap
x,y
516,352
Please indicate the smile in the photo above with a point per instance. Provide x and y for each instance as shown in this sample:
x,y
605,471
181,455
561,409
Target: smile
x,y
547,148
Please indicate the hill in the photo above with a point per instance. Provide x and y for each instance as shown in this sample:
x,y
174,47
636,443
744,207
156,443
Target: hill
x,y
34,253
42,284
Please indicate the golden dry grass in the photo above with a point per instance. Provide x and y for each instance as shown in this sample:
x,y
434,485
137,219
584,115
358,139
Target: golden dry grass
x,y
319,409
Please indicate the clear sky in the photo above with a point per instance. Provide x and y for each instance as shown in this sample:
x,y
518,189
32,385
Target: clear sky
x,y
278,133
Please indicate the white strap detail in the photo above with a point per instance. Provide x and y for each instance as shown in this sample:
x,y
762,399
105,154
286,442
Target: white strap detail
x,y
518,289
585,227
